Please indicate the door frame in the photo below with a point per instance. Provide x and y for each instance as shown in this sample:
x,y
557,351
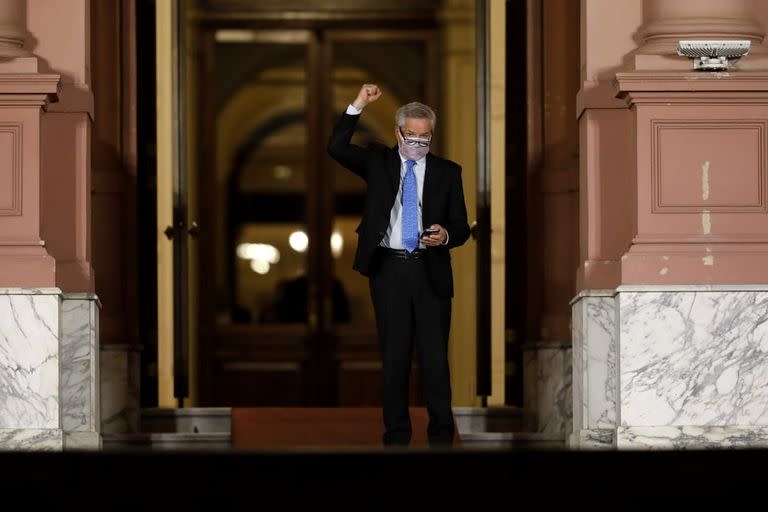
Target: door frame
x,y
333,26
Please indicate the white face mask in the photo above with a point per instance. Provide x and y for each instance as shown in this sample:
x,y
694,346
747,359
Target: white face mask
x,y
412,151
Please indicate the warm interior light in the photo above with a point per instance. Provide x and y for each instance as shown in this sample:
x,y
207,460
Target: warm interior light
x,y
262,256
282,172
298,241
260,266
337,244
264,252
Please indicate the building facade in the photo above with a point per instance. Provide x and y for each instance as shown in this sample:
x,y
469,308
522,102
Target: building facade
x,y
150,152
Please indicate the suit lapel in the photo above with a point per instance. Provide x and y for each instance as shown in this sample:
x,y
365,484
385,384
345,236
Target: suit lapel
x,y
393,168
430,182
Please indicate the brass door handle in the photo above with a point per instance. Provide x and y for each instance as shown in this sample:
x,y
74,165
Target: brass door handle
x,y
193,230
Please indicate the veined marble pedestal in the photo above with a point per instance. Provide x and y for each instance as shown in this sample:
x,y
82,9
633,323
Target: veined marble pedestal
x,y
29,369
120,388
594,369
692,367
81,411
547,388
48,370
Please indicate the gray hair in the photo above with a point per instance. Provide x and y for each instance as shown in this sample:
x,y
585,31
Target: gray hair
x,y
415,110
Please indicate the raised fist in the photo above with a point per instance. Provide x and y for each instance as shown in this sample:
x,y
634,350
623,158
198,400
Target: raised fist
x,y
368,94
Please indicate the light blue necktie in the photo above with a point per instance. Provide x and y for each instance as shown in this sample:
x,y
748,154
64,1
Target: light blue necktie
x,y
410,209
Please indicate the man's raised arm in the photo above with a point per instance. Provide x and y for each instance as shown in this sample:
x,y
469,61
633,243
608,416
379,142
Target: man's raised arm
x,y
339,146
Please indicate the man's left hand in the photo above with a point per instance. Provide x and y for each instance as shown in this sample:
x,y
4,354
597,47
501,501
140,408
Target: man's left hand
x,y
435,239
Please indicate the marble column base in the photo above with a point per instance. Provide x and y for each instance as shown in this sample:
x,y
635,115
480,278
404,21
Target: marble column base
x,y
693,355
691,369
81,414
120,389
548,396
595,369
48,370
30,358
691,437
593,439
670,438
31,439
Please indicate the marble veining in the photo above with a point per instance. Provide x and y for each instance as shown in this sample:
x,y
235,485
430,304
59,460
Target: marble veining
x,y
29,361
691,437
30,291
79,365
598,438
595,362
31,440
555,396
602,360
694,358
580,381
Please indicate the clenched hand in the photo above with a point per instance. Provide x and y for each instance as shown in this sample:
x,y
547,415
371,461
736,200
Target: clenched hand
x,y
368,94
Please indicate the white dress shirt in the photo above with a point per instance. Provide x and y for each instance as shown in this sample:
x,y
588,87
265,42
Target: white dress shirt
x,y
394,235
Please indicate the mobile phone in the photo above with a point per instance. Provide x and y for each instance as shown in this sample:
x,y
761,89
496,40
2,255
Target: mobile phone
x,y
429,231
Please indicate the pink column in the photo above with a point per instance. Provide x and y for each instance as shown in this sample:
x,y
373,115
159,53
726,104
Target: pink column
x,y
12,34
699,196
61,32
701,186
669,21
24,260
610,200
604,149
674,195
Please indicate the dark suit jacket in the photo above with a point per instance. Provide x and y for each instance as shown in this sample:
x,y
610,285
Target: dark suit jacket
x,y
442,201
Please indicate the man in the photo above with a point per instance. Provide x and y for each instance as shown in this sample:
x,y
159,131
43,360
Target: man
x,y
409,270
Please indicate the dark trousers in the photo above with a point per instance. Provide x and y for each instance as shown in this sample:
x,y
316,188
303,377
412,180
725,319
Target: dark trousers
x,y
407,308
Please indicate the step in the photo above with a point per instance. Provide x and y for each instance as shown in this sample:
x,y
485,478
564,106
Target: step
x,y
292,427
513,440
216,441
204,428
488,419
223,442
219,419
189,420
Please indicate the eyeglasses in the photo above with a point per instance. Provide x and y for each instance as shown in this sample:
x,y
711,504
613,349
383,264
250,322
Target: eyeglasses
x,y
412,141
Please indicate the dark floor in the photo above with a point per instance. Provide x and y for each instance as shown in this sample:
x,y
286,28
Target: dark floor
x,y
335,479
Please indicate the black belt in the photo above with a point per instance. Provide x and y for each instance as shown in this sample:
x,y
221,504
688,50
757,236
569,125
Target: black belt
x,y
402,254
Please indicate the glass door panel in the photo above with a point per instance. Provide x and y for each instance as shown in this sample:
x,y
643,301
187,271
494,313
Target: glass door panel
x,y
261,182
256,249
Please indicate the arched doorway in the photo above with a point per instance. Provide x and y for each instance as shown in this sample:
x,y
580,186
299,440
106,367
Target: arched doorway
x,y
281,318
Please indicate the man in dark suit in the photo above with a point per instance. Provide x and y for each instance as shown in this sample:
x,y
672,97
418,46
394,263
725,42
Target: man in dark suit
x,y
408,190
